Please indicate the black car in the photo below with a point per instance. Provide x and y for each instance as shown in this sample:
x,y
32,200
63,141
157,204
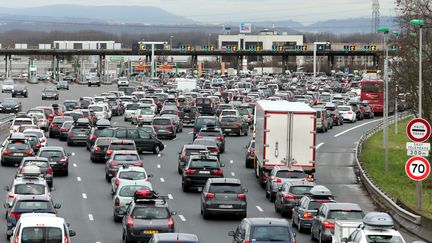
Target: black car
x,y
50,93
56,124
15,149
289,194
94,81
146,215
10,105
189,114
64,130
78,135
186,151
98,131
214,132
98,151
144,141
200,168
263,230
234,124
250,154
58,158
71,104
20,89
223,196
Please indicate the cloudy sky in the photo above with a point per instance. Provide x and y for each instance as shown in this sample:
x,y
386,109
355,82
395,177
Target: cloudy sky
x,y
306,11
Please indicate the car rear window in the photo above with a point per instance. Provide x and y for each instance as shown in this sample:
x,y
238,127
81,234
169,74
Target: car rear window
x,y
29,189
80,129
132,106
271,233
203,101
206,142
41,235
225,188
41,164
344,108
104,132
290,174
345,214
132,175
300,190
22,122
126,157
161,122
51,153
384,239
129,191
150,213
116,146
204,163
96,108
209,133
33,205
18,146
228,113
229,119
205,121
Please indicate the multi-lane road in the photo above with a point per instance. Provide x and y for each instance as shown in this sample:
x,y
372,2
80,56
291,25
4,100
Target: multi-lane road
x,y
87,204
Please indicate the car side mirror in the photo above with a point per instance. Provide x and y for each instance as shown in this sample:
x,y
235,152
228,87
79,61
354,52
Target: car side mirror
x,y
72,233
6,205
69,154
222,165
344,239
231,233
150,175
245,190
52,189
57,206
7,188
173,213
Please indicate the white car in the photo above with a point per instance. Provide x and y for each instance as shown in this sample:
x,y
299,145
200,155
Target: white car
x,y
229,112
42,121
39,133
347,113
101,111
128,173
143,116
123,81
8,85
17,122
100,99
130,110
125,194
150,102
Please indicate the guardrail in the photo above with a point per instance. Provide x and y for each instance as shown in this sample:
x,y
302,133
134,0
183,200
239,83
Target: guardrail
x,y
6,120
408,220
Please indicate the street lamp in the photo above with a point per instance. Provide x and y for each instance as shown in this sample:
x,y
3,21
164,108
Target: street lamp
x,y
385,30
420,23
396,34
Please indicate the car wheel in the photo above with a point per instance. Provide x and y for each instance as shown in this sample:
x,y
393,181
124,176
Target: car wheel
x,y
156,149
117,218
107,177
272,197
3,163
299,227
320,239
125,119
276,208
179,170
66,173
205,214
185,188
69,143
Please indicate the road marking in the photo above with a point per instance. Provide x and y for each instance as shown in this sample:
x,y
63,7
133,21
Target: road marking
x,y
170,197
319,145
231,161
78,178
114,123
162,179
182,218
84,196
174,139
190,132
75,165
158,166
91,217
337,135
159,155
259,209
232,174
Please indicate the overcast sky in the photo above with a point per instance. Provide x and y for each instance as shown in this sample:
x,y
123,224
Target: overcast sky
x,y
218,11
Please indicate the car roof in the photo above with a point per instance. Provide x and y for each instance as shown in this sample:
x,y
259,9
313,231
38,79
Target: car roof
x,y
176,237
343,206
42,197
39,219
195,146
35,159
224,180
267,221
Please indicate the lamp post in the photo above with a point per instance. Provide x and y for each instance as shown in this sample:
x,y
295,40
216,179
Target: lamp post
x,y
385,30
396,34
171,42
420,23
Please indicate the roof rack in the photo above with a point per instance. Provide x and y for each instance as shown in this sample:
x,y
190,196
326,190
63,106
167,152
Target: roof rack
x,y
378,220
146,196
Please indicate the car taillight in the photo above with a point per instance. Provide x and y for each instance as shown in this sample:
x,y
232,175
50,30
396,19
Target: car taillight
x,y
15,215
307,215
140,164
241,196
38,145
237,123
169,127
71,133
200,137
93,137
214,150
328,225
219,138
114,163
98,149
195,130
217,172
209,195
116,181
130,221
50,116
117,202
109,152
11,196
170,223
289,196
349,112
53,125
190,172
357,111
277,180
49,170
29,152
63,129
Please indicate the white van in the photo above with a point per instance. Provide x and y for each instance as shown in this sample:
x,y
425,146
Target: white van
x,y
41,227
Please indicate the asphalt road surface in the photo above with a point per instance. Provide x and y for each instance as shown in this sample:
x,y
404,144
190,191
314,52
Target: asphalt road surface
x,y
87,204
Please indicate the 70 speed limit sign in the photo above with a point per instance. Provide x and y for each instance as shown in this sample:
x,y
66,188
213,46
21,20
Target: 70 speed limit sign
x,y
417,168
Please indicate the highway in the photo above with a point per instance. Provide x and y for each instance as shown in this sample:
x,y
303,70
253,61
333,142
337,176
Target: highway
x,y
88,207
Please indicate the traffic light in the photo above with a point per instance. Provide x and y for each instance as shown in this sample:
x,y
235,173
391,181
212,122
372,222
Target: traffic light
x,y
298,48
366,48
258,48
183,47
212,47
373,47
234,48
229,47
142,47
252,48
281,48
304,48
189,47
393,48
205,47
349,48
352,48
274,48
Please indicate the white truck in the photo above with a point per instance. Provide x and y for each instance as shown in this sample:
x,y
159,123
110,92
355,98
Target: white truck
x,y
344,228
285,135
186,84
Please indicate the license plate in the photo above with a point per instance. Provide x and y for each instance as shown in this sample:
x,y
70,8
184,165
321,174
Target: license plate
x,y
18,154
228,130
204,172
81,135
225,206
163,130
151,232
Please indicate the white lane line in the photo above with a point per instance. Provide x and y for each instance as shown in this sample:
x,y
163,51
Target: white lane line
x,y
319,145
337,135
91,217
259,209
162,179
84,196
114,123
75,165
190,132
232,174
182,218
174,139
159,155
170,197
231,161
78,178
159,166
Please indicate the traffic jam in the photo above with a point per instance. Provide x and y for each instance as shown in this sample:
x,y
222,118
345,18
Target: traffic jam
x,y
280,117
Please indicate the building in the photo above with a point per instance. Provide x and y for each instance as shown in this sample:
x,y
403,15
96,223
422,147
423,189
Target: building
x,y
86,45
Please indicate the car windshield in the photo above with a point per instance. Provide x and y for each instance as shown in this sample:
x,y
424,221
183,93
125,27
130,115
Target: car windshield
x,y
29,189
23,122
271,233
147,112
207,142
38,134
132,107
41,235
161,122
345,214
150,213
290,174
129,191
203,164
344,108
96,108
41,164
33,205
300,190
229,119
132,175
225,188
384,239
18,146
51,154
126,157
116,146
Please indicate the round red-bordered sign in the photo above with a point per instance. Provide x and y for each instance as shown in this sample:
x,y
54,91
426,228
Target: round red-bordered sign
x,y
418,130
417,168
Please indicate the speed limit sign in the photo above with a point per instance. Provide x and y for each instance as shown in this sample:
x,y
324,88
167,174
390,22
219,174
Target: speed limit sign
x,y
417,168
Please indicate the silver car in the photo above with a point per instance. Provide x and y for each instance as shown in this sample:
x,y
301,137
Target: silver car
x,y
125,194
8,85
280,175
